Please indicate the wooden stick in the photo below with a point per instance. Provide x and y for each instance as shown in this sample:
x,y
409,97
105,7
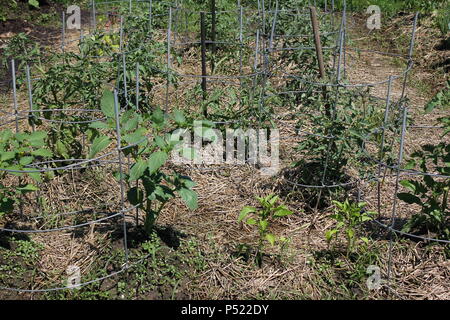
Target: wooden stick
x,y
317,42
319,54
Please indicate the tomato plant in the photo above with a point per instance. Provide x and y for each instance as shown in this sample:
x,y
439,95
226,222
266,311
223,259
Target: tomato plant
x,y
17,152
431,193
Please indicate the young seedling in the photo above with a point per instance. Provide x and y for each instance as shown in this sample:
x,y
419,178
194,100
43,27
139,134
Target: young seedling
x,y
262,219
349,216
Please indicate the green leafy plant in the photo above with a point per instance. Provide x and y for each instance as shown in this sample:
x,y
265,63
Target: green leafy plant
x,y
443,19
17,151
150,188
23,50
262,218
349,216
71,83
341,117
99,45
346,275
334,147
440,100
19,260
431,194
34,3
237,105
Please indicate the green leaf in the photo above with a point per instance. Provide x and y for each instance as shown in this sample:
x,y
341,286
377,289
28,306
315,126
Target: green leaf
x,y
21,136
15,167
26,160
409,185
61,149
350,233
107,104
366,218
271,238
34,3
361,204
409,198
28,188
137,170
99,125
263,224
135,137
98,145
179,117
187,182
118,176
430,106
189,197
36,176
5,135
131,124
409,165
36,139
251,221
329,234
156,160
355,134
163,193
8,155
135,196
244,212
282,212
158,116
272,199
42,153
37,135
160,142
365,240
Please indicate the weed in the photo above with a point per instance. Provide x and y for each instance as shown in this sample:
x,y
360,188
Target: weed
x,y
18,263
440,100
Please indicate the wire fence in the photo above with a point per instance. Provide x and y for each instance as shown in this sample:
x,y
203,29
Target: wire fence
x,y
266,41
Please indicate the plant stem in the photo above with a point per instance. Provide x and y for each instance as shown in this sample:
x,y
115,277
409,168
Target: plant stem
x,y
444,201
